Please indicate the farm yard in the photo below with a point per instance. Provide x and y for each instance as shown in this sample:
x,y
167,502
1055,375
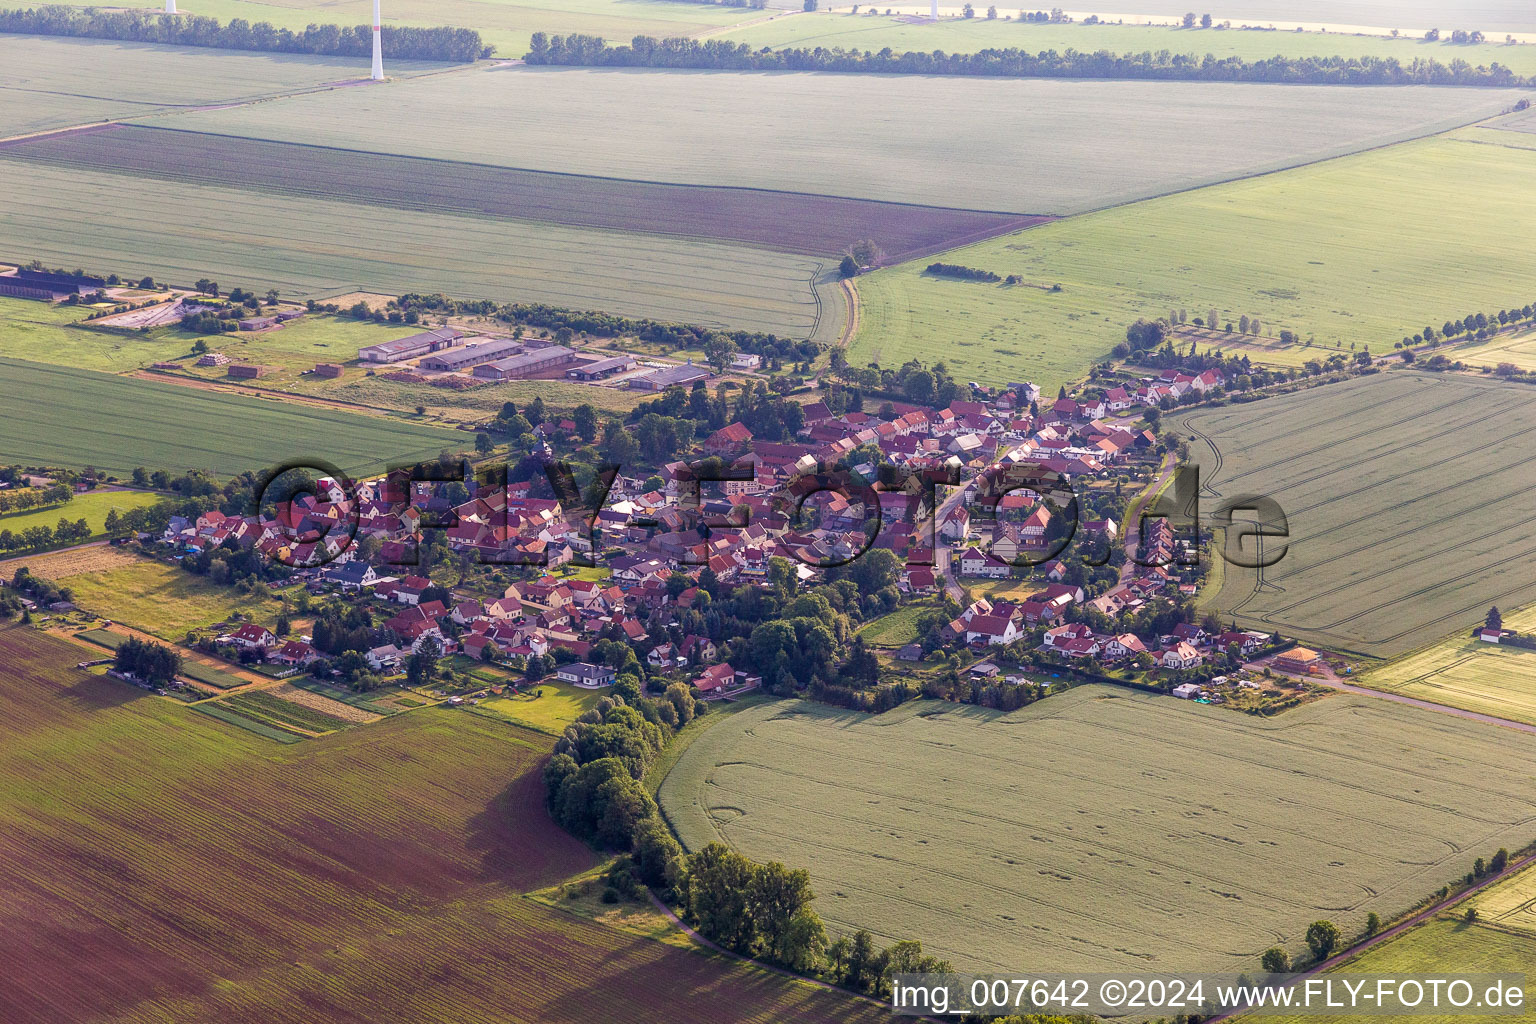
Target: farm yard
x,y
1405,501
317,247
1104,828
817,225
78,418
967,35
1032,146
54,82
374,873
1361,250
1465,672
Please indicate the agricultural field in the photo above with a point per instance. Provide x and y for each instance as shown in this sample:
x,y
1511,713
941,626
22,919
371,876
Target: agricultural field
x,y
504,24
1405,495
817,225
162,599
282,714
374,874
1516,347
1464,672
1105,828
49,82
1357,251
306,246
92,507
1032,146
967,35
80,418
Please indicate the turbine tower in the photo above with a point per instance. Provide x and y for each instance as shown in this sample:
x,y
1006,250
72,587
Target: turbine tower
x,y
935,8
378,43
170,6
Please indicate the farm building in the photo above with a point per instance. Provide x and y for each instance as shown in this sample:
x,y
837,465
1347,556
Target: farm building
x,y
330,371
212,359
746,361
244,372
526,365
472,355
1300,661
421,344
671,376
38,284
601,368
258,323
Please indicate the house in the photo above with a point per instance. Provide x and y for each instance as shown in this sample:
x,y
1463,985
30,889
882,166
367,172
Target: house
x,y
350,576
1246,643
911,652
993,630
975,562
1301,661
585,674
296,652
1180,656
1489,635
728,440
252,637
1126,645
385,658
476,644
746,361
724,681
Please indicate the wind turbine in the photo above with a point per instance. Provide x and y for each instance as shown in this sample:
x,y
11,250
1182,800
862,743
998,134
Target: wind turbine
x,y
935,8
170,6
378,43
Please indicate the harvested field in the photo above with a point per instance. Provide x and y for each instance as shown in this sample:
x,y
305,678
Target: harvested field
x,y
1406,495
1105,829
82,418
1516,347
1359,251
324,705
309,246
1511,904
199,874
1465,672
54,82
1021,145
817,225
61,565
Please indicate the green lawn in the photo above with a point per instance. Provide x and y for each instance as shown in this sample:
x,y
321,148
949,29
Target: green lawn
x,y
1361,250
955,35
897,628
162,599
80,418
92,507
549,707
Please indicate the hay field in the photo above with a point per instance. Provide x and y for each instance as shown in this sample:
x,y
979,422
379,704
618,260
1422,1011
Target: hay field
x,y
315,246
1464,672
1102,828
199,874
51,82
1361,250
968,35
162,599
1406,495
80,418
1518,347
1017,145
817,225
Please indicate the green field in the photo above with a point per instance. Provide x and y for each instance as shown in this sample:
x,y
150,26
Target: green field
x,y
215,677
162,599
1103,828
316,247
375,874
80,418
1019,145
92,507
52,82
897,628
504,24
864,32
1405,495
557,706
1467,673
1361,250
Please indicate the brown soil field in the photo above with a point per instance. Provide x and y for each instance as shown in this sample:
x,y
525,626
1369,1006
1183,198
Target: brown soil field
x,y
790,221
157,865
324,705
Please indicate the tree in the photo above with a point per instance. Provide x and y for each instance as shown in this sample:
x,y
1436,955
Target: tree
x,y
1189,20
718,350
1500,861
1472,915
1372,923
1322,938
619,445
848,267
719,880
1205,21
1494,619
1275,960
585,418
810,5
483,443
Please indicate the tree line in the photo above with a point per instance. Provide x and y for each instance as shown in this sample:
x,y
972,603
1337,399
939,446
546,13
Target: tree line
x,y
719,54
36,538
964,273
35,497
150,663
440,43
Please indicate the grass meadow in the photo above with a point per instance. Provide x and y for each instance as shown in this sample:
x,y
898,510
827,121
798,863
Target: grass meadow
x,y
315,247
556,706
162,599
80,418
1103,828
51,82
1029,146
863,31
92,507
1361,250
1405,498
201,873
1464,672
